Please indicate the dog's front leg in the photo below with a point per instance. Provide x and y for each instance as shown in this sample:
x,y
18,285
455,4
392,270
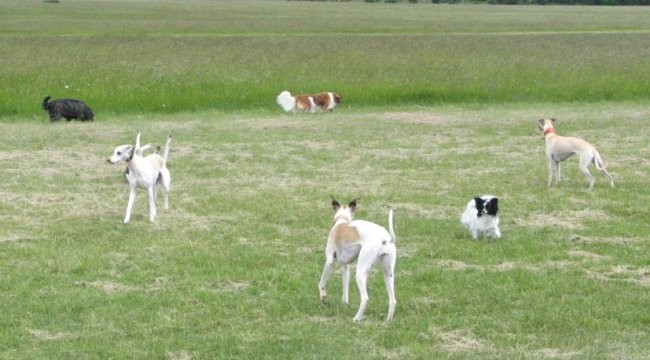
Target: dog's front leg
x,y
327,270
129,205
152,204
549,166
345,276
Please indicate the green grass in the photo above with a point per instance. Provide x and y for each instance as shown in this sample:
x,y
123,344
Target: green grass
x,y
440,104
141,57
231,270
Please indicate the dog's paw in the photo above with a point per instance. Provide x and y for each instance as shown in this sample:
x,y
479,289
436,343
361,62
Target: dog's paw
x,y
358,318
324,299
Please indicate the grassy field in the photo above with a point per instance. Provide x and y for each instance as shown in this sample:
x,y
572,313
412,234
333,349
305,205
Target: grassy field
x,y
145,56
441,104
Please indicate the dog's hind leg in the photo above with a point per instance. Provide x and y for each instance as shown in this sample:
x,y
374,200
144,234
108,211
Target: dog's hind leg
x,y
362,277
345,277
165,181
584,169
365,263
152,203
388,265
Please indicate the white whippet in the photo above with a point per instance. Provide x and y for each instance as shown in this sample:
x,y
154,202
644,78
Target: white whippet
x,y
144,172
370,243
560,148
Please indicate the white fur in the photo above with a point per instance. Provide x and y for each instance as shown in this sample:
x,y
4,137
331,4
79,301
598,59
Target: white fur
x,y
286,101
478,226
373,244
144,172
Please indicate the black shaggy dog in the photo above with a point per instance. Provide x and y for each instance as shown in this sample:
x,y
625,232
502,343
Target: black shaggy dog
x,y
68,109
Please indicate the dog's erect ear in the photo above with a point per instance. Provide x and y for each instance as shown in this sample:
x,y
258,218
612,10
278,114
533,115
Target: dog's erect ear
x,y
353,205
479,205
492,206
335,204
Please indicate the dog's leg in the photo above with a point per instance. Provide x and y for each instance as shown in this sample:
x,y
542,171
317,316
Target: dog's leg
x,y
327,270
367,258
166,181
345,276
129,205
607,176
584,169
558,171
549,165
388,264
152,203
362,278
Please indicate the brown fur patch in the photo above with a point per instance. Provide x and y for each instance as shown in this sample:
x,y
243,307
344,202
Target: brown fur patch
x,y
343,234
322,100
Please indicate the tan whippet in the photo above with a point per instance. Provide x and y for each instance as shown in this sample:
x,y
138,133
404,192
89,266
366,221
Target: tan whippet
x,y
560,148
369,243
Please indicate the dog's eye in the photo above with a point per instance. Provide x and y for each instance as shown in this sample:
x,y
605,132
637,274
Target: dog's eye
x,y
119,153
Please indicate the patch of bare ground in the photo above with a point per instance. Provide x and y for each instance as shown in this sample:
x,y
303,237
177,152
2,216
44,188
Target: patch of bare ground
x,y
571,220
624,273
44,335
556,354
614,240
456,265
226,286
457,340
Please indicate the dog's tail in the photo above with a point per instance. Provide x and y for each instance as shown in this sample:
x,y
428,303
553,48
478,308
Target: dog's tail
x,y
286,101
598,161
46,104
167,146
391,231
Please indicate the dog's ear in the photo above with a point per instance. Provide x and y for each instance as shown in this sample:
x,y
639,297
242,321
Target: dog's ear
x,y
353,205
479,205
335,204
492,206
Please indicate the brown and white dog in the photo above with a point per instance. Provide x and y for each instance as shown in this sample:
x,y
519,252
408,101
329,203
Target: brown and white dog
x,y
366,242
309,102
560,148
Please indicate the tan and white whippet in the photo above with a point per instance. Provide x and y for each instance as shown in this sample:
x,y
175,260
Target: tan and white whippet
x,y
368,242
560,148
144,172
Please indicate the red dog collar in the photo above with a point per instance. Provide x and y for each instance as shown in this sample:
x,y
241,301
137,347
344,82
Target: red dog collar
x,y
548,131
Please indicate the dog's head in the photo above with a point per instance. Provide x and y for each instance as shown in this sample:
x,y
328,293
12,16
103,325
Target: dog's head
x,y
121,153
543,124
337,98
486,206
343,212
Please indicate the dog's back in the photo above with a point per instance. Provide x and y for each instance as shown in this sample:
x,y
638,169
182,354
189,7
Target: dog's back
x,y
68,109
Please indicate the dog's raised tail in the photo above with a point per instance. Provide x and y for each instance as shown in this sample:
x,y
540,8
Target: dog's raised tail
x,y
167,146
46,104
286,101
391,231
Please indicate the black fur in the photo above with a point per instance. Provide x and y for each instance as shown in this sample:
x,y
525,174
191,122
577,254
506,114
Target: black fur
x,y
68,109
490,207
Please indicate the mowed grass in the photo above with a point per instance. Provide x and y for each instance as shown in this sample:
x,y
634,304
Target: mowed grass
x,y
440,105
144,56
232,269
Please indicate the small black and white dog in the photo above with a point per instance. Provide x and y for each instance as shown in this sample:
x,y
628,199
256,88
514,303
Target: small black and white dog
x,y
480,217
68,109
